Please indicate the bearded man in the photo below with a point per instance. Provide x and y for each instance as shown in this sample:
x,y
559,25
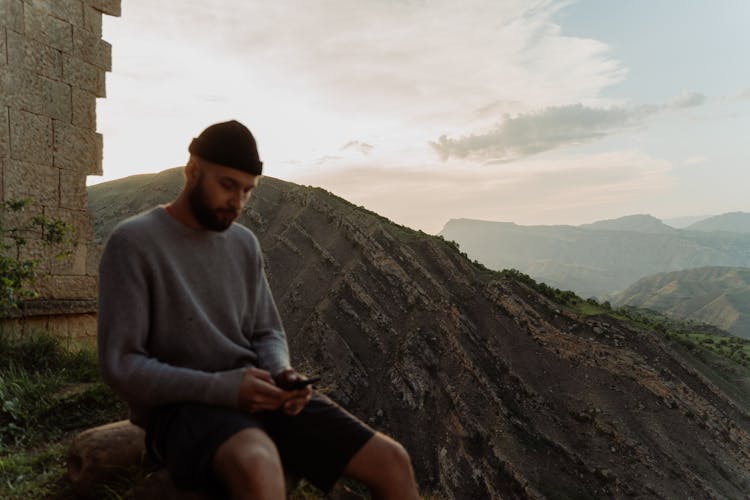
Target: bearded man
x,y
189,335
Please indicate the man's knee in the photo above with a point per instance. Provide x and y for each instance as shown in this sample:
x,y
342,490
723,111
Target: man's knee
x,y
381,458
396,455
247,456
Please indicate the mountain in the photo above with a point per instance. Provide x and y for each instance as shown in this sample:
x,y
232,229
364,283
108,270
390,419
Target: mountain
x,y
638,223
684,221
496,390
599,260
738,222
716,295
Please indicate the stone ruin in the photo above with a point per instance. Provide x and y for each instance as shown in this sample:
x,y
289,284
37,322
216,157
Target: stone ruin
x,y
52,69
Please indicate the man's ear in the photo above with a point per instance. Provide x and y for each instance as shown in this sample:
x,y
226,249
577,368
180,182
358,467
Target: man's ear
x,y
191,171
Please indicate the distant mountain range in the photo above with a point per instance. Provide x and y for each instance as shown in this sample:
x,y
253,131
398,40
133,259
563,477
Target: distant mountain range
x,y
737,222
605,257
495,390
716,295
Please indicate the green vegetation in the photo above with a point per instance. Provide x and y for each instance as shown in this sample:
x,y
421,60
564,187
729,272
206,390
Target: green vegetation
x,y
692,333
47,395
16,272
716,295
563,297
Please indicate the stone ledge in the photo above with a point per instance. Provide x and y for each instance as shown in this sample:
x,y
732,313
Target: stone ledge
x,y
54,307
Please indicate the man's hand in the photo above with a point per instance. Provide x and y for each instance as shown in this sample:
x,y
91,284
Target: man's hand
x,y
258,391
293,401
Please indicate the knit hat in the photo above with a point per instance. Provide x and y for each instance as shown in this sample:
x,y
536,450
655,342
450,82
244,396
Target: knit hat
x,y
229,144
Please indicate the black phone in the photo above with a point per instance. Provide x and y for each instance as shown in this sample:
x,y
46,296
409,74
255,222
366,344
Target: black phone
x,y
298,384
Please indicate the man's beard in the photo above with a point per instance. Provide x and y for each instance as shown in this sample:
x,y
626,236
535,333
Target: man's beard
x,y
206,216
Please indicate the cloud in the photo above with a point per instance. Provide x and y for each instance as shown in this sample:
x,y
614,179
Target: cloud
x,y
532,133
527,134
687,100
361,147
745,94
327,159
695,160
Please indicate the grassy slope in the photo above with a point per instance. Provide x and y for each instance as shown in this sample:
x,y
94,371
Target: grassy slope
x,y
47,395
716,295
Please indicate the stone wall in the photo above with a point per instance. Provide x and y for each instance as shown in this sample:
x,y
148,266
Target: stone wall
x,y
52,69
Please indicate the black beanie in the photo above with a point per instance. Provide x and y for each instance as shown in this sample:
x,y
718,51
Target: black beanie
x,y
229,144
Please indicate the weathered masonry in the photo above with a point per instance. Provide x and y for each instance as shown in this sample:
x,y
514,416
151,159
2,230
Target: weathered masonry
x,y
52,68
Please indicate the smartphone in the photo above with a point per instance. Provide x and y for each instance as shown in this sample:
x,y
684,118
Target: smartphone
x,y
298,384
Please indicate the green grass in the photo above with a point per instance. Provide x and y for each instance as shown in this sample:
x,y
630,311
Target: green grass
x,y
47,395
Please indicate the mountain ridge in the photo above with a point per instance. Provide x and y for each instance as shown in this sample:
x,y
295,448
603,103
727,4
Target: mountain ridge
x,y
595,262
737,222
496,390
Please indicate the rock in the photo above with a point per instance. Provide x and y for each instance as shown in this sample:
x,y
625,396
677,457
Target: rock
x,y
99,455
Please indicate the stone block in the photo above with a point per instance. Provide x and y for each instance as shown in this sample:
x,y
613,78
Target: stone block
x,y
70,11
21,219
76,148
57,100
86,76
73,190
3,50
93,257
66,287
30,137
2,186
57,326
21,89
11,13
34,56
84,109
45,28
4,133
72,264
82,328
36,250
92,49
92,20
97,167
78,220
110,7
34,326
31,180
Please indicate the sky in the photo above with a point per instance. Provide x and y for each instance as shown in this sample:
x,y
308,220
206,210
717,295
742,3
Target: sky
x,y
528,111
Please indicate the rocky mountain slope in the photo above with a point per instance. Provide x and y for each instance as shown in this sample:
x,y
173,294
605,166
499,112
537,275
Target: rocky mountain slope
x,y
716,295
496,391
599,259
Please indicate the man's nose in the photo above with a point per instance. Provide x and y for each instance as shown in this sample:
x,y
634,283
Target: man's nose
x,y
236,200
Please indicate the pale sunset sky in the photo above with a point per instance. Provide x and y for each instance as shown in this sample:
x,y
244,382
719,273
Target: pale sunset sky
x,y
535,112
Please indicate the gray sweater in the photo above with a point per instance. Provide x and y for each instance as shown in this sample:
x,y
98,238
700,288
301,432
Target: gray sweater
x,y
183,312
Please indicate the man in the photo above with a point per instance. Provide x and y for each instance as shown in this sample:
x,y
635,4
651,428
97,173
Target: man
x,y
189,335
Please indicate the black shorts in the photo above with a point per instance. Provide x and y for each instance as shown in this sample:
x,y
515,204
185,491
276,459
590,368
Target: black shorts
x,y
316,444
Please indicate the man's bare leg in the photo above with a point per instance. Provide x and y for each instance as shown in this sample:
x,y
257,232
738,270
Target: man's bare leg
x,y
385,467
250,466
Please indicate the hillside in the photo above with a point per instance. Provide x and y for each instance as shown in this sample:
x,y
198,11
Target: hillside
x,y
716,295
738,222
496,391
599,259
